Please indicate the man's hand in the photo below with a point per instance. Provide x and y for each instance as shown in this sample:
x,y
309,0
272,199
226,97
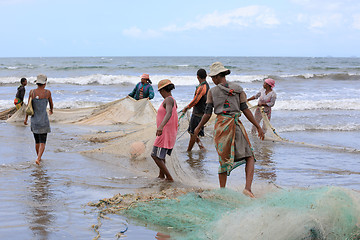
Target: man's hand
x,y
261,134
159,132
185,109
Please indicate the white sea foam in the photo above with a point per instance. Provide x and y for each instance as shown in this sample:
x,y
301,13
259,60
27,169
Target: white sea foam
x,y
311,127
5,104
340,104
102,79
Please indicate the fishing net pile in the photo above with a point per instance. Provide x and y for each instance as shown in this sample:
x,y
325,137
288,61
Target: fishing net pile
x,y
4,115
320,213
124,129
122,111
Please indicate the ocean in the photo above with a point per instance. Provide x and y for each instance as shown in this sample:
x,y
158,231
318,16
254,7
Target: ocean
x,y
317,104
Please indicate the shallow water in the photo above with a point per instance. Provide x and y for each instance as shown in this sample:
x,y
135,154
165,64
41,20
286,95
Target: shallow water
x,y
317,105
49,201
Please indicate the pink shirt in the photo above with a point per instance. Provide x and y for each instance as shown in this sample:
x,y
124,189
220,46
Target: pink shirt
x,y
168,137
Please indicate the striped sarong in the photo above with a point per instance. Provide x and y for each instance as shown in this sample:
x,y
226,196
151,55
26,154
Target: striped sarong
x,y
224,138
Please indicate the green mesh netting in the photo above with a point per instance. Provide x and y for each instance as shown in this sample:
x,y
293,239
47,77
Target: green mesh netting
x,y
321,213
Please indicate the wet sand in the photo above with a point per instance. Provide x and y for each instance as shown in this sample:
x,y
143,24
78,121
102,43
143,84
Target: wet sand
x,y
49,201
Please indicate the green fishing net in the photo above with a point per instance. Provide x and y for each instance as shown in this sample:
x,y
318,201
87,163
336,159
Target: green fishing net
x,y
320,213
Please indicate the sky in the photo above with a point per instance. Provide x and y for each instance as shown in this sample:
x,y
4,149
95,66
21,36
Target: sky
x,y
65,28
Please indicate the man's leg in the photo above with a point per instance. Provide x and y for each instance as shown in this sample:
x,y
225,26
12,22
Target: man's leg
x,y
249,174
222,179
192,141
163,169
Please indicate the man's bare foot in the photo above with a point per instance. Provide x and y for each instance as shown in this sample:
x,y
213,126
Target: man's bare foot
x,y
248,193
202,148
161,177
169,179
37,161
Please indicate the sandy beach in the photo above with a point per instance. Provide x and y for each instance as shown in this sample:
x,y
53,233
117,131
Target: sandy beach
x,y
50,201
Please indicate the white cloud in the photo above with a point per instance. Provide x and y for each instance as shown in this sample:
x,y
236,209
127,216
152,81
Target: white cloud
x,y
330,14
259,16
320,21
243,17
132,32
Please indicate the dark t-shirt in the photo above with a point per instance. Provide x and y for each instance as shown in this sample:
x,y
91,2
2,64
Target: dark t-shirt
x,y
20,93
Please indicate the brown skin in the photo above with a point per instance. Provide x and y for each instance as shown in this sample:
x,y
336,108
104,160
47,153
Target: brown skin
x,y
249,168
168,105
194,138
143,80
41,93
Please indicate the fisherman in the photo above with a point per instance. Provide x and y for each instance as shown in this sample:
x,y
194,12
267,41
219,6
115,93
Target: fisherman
x,y
19,98
267,98
198,104
232,144
143,89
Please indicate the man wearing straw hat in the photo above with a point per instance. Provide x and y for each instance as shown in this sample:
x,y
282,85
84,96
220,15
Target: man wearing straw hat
x,y
232,144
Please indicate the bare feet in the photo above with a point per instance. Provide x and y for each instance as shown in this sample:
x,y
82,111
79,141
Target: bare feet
x,y
37,161
248,193
169,179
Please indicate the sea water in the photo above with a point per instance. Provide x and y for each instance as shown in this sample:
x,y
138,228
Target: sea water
x,y
317,103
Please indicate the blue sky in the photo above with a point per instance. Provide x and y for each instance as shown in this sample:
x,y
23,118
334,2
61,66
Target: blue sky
x,y
314,28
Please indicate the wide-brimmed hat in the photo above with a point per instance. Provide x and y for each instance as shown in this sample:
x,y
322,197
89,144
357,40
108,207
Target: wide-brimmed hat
x,y
41,78
163,83
145,76
216,68
271,82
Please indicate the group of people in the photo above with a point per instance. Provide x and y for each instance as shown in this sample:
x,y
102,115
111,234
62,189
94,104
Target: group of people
x,y
227,100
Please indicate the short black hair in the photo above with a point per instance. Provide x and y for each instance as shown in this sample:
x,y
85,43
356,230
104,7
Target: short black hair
x,y
201,73
22,80
169,87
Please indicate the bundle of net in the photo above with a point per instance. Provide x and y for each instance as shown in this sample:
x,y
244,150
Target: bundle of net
x,y
319,213
122,111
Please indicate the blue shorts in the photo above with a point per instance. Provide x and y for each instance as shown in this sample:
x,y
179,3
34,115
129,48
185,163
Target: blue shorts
x,y
194,122
160,152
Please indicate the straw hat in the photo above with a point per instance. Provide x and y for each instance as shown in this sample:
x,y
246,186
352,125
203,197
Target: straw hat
x,y
41,79
163,83
216,68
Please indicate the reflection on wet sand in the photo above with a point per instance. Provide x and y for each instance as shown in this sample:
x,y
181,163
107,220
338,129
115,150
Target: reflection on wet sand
x,y
195,161
40,215
265,166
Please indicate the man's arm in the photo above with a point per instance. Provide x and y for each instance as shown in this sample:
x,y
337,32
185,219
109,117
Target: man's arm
x,y
51,104
151,92
199,93
132,94
208,112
